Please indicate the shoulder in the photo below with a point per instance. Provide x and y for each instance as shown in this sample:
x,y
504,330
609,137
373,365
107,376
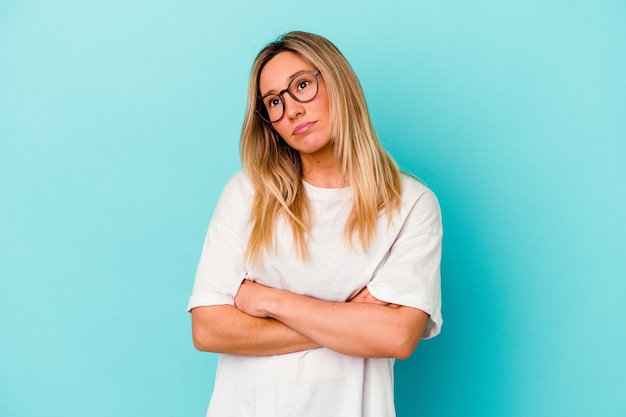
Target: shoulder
x,y
410,183
413,189
235,197
238,185
419,202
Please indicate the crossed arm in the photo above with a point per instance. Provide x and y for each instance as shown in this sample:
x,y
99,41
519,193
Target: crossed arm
x,y
269,321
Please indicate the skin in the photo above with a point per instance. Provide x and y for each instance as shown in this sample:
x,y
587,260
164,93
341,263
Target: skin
x,y
314,143
270,321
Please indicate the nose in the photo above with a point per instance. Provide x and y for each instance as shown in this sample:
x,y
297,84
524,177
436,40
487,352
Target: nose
x,y
292,107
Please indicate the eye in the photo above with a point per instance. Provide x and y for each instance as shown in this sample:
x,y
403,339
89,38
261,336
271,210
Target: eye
x,y
272,101
301,83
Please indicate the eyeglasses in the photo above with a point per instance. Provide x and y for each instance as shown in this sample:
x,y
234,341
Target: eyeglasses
x,y
302,87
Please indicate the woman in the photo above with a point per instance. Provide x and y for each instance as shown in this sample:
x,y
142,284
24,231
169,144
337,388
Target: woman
x,y
321,262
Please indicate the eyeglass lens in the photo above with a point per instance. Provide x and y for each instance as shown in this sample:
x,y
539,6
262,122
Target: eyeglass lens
x,y
303,87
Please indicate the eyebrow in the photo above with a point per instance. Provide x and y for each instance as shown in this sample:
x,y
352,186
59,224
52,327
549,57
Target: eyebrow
x,y
291,77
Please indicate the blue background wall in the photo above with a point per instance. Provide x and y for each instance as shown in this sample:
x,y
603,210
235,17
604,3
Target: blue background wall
x,y
119,124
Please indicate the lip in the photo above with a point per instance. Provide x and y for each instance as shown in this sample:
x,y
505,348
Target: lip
x,y
303,128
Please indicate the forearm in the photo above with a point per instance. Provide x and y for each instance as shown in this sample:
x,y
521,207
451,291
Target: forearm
x,y
226,329
356,329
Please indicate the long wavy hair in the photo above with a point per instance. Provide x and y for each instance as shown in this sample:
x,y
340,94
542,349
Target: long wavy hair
x,y
275,168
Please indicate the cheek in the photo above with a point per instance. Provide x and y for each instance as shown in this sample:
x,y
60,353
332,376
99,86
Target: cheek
x,y
322,94
282,129
324,107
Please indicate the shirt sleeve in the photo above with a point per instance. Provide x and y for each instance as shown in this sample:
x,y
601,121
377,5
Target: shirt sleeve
x,y
221,268
411,273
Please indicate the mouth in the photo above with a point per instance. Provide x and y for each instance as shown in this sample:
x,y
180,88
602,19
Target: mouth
x,y
303,128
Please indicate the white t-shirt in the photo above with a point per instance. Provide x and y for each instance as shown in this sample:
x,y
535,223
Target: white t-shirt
x,y
402,266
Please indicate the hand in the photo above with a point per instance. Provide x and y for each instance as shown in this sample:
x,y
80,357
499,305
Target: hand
x,y
252,297
365,297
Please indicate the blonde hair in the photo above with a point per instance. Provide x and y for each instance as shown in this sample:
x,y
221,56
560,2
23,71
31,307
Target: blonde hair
x,y
275,168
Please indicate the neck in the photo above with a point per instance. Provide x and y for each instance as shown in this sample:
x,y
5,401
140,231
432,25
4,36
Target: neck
x,y
321,170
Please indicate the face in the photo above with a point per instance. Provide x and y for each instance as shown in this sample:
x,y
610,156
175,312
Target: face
x,y
306,126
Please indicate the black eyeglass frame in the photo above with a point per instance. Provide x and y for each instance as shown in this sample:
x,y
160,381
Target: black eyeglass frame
x,y
286,90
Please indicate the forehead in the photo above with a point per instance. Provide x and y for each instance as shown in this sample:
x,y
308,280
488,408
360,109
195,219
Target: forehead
x,y
276,74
